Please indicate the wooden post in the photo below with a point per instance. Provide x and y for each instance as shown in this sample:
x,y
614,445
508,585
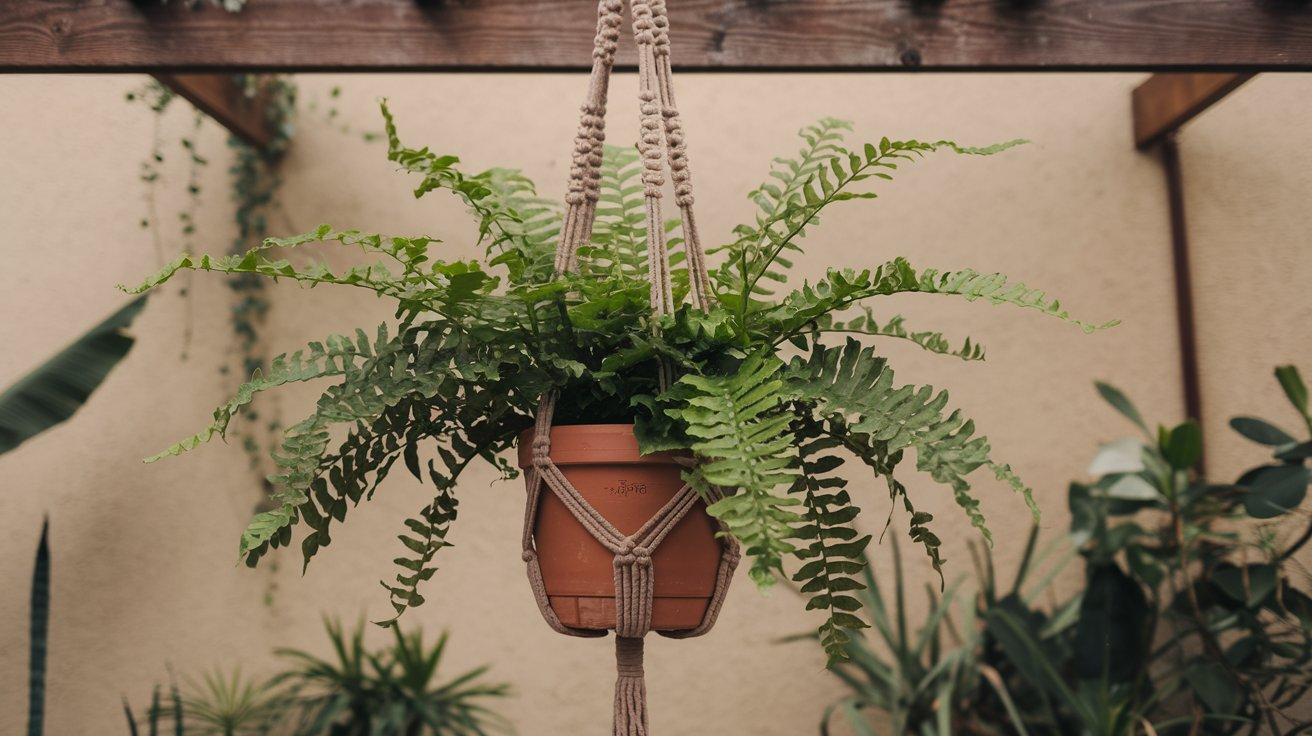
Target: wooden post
x,y
1161,106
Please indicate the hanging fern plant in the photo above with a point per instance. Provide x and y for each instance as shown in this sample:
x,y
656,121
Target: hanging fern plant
x,y
458,374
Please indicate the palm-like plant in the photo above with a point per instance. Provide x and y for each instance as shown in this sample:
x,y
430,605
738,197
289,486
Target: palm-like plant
x,y
228,704
947,675
392,692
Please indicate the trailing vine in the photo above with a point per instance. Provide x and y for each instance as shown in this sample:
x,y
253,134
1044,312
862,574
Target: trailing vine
x,y
254,187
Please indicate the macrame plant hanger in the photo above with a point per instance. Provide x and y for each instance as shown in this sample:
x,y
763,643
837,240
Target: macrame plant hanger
x,y
661,134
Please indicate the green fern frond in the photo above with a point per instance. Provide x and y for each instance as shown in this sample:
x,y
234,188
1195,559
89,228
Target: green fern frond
x,y
366,393
746,447
361,463
759,250
854,387
515,225
377,277
519,227
425,538
995,288
832,551
812,310
812,307
775,199
867,324
332,357
619,235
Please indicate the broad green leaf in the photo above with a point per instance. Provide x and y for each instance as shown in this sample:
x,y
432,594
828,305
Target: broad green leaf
x,y
1292,382
1121,403
1111,638
1249,585
1185,446
52,392
1276,490
1213,686
1261,431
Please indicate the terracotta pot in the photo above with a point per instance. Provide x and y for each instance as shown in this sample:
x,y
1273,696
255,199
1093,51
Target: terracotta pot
x,y
602,462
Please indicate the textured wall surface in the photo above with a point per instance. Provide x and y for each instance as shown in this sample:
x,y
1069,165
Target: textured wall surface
x,y
143,555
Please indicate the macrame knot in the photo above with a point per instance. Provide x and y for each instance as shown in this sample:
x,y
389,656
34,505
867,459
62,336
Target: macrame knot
x,y
644,25
541,446
528,555
632,554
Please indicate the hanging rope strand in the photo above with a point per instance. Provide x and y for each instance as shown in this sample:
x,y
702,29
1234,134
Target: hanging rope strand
x,y
699,292
651,146
584,188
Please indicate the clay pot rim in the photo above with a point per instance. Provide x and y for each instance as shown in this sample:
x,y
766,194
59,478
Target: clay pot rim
x,y
588,444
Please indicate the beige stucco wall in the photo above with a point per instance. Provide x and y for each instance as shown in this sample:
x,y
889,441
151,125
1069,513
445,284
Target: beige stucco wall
x,y
143,555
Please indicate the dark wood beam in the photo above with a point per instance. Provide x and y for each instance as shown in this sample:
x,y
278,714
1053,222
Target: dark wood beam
x,y
219,96
517,35
1167,101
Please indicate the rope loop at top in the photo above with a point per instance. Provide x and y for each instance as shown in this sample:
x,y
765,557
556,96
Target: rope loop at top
x,y
661,142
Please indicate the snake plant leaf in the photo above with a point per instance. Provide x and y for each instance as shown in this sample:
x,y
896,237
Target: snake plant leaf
x,y
1111,637
53,392
40,629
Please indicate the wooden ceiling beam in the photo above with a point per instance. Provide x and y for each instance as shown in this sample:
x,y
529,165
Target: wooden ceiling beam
x,y
709,35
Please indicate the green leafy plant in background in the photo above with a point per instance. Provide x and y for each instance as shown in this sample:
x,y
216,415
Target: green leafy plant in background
x,y
1212,571
1189,621
946,674
219,704
153,723
393,691
457,375
52,392
42,399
